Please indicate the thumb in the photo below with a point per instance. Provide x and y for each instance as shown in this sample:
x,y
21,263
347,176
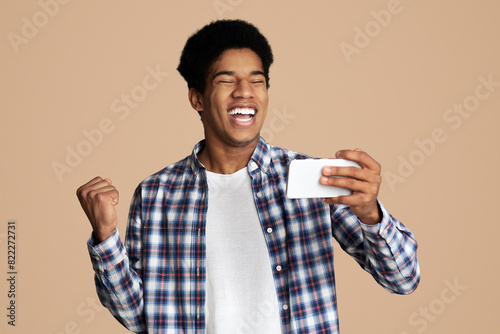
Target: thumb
x,y
115,195
115,200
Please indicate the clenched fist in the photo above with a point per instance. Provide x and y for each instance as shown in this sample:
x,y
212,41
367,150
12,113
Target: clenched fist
x,y
98,198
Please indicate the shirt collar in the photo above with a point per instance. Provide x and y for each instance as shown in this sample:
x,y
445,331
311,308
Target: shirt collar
x,y
260,159
193,161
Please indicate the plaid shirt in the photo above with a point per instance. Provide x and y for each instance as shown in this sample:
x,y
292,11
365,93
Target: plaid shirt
x,y
155,283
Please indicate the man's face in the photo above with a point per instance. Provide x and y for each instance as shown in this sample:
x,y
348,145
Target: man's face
x,y
234,104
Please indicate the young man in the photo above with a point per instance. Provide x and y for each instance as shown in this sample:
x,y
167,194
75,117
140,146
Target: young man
x,y
213,244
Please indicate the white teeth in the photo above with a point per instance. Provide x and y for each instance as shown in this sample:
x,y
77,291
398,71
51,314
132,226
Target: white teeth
x,y
243,119
242,111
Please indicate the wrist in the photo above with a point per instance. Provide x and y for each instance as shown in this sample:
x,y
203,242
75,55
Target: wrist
x,y
374,217
101,236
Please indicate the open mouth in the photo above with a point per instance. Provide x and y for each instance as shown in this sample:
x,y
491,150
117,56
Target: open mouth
x,y
242,114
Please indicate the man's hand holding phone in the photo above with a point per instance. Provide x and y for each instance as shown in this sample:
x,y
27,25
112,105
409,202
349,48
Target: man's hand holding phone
x,y
352,179
364,183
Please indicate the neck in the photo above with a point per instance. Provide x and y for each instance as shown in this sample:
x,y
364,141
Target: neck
x,y
226,160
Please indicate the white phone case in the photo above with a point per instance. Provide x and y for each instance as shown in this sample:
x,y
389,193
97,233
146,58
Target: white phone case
x,y
304,174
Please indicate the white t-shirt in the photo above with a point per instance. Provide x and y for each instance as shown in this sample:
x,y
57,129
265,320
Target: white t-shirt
x,y
240,292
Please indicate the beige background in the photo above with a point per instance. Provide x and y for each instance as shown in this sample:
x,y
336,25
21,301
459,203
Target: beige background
x,y
61,77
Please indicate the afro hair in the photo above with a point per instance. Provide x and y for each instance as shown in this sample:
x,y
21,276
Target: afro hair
x,y
207,44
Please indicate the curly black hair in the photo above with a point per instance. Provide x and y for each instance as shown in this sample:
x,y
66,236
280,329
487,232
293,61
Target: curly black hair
x,y
208,43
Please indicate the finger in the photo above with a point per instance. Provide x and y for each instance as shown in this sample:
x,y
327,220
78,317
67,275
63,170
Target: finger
x,y
112,193
353,172
341,200
95,180
361,157
115,197
103,193
82,188
107,197
344,182
103,185
95,183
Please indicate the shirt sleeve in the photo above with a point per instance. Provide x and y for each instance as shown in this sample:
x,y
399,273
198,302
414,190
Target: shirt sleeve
x,y
388,250
118,284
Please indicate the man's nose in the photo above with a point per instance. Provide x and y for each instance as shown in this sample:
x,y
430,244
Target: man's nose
x,y
243,89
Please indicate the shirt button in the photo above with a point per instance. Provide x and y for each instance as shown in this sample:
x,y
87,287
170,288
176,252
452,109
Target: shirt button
x,y
285,307
259,194
269,230
278,268
253,165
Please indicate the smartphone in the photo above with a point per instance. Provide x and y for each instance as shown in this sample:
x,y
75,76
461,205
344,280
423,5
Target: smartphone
x,y
304,174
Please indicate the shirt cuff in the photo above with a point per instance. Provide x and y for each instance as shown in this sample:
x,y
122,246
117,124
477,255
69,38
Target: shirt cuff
x,y
108,253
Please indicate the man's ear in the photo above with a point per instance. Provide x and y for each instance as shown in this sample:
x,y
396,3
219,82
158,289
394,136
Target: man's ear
x,y
195,99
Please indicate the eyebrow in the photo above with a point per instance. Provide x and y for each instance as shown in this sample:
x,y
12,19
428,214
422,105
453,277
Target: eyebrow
x,y
232,73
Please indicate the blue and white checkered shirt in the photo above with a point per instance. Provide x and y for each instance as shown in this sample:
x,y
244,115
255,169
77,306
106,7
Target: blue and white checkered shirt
x,y
155,283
